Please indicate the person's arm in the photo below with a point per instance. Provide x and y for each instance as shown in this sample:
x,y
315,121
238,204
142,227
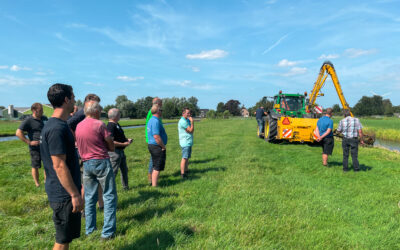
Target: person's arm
x,y
20,134
328,131
110,143
317,134
65,178
190,129
159,141
121,144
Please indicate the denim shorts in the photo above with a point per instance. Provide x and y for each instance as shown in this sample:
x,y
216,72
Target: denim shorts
x,y
186,152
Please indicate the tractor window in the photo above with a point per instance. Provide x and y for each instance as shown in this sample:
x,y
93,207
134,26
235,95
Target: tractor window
x,y
293,103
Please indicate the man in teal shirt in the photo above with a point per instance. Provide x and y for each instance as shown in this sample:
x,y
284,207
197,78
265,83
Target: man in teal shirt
x,y
185,129
158,101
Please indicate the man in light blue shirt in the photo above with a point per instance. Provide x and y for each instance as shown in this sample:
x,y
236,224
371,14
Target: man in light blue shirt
x,y
185,129
157,141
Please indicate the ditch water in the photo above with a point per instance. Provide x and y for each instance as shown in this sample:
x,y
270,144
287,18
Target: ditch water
x,y
390,145
14,138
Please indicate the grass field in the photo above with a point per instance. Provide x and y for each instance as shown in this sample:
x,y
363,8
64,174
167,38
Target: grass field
x,y
243,193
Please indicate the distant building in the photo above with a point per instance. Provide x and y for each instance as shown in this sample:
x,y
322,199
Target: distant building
x,y
244,112
203,113
13,112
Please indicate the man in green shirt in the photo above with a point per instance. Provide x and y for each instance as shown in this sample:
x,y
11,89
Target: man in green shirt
x,y
158,101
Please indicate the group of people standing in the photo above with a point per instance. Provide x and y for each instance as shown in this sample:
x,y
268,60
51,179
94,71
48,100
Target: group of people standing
x,y
351,129
72,139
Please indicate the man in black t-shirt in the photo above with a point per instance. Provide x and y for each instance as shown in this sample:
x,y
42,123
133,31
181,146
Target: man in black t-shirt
x,y
118,158
60,161
33,125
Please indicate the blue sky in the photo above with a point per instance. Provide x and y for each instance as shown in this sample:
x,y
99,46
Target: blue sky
x,y
214,50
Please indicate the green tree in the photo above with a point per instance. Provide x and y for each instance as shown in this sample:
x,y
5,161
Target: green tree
x,y
220,107
336,109
233,107
367,106
211,114
108,107
226,114
79,103
387,107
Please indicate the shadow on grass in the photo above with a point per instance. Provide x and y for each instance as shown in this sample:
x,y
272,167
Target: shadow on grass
x,y
143,196
150,213
363,167
158,240
194,174
203,160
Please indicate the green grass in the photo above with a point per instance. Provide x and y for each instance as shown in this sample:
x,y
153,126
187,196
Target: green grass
x,y
243,194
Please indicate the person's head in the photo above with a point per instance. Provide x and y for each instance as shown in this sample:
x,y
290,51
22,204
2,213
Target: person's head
x,y
61,96
156,110
92,109
37,110
261,107
186,112
114,114
157,101
329,112
92,97
346,112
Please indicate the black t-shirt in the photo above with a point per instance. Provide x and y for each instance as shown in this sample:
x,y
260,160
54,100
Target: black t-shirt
x,y
116,132
260,113
33,127
57,139
75,119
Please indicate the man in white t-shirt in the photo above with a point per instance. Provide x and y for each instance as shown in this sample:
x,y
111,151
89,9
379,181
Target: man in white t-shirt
x,y
185,129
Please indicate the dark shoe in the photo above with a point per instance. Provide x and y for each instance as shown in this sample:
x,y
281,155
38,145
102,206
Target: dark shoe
x,y
108,238
345,170
356,169
101,209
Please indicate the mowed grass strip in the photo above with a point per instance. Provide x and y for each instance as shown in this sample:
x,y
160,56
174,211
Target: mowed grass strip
x,y
242,193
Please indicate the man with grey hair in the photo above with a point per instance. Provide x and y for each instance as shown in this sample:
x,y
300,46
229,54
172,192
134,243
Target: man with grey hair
x,y
351,129
157,142
157,101
94,142
118,158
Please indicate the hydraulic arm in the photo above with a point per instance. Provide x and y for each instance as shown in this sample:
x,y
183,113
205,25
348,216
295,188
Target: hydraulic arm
x,y
326,69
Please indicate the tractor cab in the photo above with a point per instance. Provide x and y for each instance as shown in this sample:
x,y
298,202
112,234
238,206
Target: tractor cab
x,y
292,105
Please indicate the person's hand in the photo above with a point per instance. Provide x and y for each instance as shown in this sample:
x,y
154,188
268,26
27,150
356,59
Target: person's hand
x,y
362,142
164,148
130,140
34,143
77,203
318,139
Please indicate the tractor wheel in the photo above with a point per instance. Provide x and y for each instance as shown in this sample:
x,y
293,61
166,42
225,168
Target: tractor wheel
x,y
271,129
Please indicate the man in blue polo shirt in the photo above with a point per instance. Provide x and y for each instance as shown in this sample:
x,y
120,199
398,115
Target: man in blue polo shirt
x,y
324,128
157,141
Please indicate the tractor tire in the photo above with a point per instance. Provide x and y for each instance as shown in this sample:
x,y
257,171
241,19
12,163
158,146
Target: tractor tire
x,y
271,129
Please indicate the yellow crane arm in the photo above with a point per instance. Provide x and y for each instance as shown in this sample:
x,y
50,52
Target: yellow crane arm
x,y
327,68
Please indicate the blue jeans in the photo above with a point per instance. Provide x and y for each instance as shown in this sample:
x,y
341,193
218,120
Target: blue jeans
x,y
261,124
150,165
95,172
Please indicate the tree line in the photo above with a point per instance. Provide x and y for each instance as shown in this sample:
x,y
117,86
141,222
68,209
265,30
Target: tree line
x,y
172,107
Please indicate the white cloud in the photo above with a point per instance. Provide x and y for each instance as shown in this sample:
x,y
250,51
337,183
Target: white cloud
x,y
295,71
190,84
61,37
275,44
287,63
329,56
3,66
18,68
40,73
353,53
195,69
94,84
129,78
208,55
13,81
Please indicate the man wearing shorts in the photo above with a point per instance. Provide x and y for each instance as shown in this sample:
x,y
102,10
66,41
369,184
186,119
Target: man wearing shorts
x,y
157,142
60,161
33,125
157,101
185,129
324,129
